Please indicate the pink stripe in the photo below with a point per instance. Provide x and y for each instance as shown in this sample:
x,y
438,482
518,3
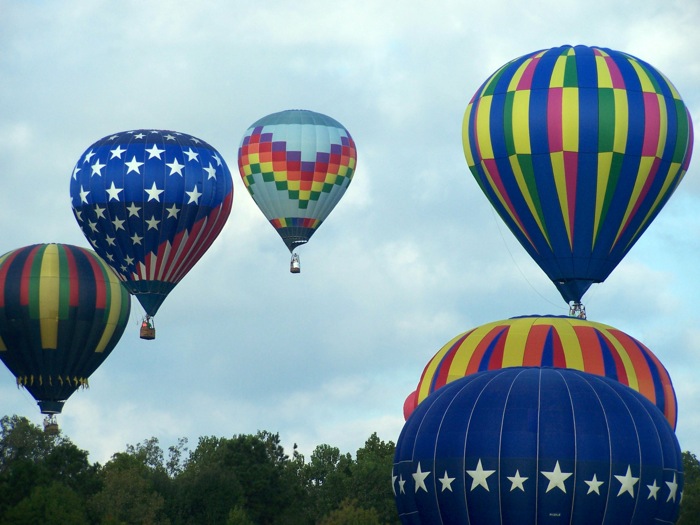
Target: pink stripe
x,y
571,169
642,195
652,124
615,75
554,119
526,80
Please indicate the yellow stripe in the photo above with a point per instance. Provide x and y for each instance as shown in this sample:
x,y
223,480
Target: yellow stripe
x,y
115,308
570,117
557,79
466,350
559,173
604,165
525,191
483,133
430,369
645,166
514,348
621,120
644,80
49,297
466,145
663,126
521,122
603,71
570,344
625,358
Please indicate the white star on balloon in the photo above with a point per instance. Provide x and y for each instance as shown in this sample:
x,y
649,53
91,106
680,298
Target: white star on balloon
x,y
393,482
172,211
419,478
517,481
594,485
191,154
136,239
133,210
117,152
673,487
194,196
133,165
118,224
88,156
402,482
93,226
446,482
110,240
99,212
75,171
83,194
154,193
653,489
627,482
479,476
152,223
97,167
155,152
175,167
556,478
211,170
113,192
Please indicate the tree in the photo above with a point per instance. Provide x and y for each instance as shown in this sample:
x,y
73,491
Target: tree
x,y
55,504
370,480
690,504
350,513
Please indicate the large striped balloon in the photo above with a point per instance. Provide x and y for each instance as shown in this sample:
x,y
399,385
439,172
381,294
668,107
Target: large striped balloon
x,y
577,149
550,341
534,446
297,165
62,311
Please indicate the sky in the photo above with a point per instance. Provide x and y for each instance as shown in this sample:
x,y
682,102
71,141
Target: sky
x,y
412,256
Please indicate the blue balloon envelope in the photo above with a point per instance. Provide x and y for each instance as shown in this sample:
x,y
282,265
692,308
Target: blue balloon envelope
x,y
525,446
151,202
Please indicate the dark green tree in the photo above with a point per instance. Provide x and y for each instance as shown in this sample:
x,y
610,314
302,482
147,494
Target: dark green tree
x,y
371,475
690,503
350,513
54,504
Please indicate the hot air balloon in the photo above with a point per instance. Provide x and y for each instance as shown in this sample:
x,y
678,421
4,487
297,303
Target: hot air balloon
x,y
554,341
151,203
62,311
296,165
530,446
577,149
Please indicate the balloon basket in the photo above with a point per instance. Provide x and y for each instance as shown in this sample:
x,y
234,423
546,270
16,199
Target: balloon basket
x,y
148,330
295,265
50,425
577,310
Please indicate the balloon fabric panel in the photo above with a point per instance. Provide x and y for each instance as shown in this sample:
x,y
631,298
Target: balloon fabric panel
x,y
151,203
62,311
296,164
578,149
560,342
537,445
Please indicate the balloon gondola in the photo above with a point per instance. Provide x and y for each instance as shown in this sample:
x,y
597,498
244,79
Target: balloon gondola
x,y
296,165
62,311
577,149
151,203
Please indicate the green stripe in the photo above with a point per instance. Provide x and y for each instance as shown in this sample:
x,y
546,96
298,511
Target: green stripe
x,y
525,162
64,283
683,132
508,122
570,73
606,119
491,83
34,274
613,178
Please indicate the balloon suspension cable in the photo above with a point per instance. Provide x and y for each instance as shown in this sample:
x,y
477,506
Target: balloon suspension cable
x,y
577,309
295,265
148,328
50,424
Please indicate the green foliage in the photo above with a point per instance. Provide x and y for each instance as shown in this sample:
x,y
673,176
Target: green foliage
x,y
690,504
350,513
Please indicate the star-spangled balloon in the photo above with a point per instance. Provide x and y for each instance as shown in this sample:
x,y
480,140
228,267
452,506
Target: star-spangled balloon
x,y
527,446
151,202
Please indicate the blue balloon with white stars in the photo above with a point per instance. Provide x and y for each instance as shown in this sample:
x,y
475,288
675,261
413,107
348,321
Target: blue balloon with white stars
x,y
151,202
526,446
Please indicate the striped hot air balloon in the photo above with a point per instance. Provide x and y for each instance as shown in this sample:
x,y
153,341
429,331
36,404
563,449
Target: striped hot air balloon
x,y
62,311
577,149
296,165
551,341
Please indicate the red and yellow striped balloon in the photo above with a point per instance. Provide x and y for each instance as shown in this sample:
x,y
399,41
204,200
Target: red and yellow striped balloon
x,y
62,311
551,341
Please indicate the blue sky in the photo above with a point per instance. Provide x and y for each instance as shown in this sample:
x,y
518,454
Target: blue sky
x,y
411,257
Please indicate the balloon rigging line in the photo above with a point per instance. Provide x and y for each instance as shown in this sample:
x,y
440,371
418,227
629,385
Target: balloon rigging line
x,y
498,226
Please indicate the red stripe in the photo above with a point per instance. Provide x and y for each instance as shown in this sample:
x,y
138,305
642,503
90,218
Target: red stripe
x,y
3,275
478,355
100,284
558,356
617,81
526,80
590,350
25,280
534,346
496,360
555,119
619,366
641,368
652,124
443,369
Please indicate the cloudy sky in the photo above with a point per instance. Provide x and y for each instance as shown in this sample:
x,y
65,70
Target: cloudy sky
x,y
411,257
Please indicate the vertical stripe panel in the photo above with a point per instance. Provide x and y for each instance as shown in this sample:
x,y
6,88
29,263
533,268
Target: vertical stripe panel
x,y
521,122
49,297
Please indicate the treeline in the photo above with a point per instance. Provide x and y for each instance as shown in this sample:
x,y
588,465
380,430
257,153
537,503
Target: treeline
x,y
242,480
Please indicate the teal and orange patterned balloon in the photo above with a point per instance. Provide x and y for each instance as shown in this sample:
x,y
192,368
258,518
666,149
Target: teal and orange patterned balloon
x,y
551,341
297,165
62,311
577,149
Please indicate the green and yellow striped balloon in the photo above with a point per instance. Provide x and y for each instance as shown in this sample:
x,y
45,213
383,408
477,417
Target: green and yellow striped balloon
x,y
62,311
